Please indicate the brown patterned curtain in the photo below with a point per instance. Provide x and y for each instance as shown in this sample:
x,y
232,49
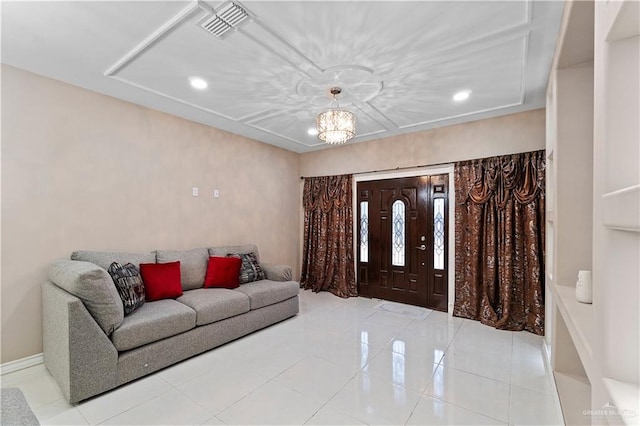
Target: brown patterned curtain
x,y
327,261
499,229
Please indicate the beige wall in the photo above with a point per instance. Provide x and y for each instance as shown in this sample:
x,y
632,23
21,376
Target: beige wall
x,y
484,138
82,170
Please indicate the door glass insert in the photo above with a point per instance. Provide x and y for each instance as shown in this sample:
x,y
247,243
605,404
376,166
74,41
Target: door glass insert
x,y
364,231
397,233
438,233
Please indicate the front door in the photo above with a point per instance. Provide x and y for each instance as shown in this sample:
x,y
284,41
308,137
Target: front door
x,y
403,240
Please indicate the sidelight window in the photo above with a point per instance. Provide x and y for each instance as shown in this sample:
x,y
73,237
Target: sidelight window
x,y
438,233
364,231
397,233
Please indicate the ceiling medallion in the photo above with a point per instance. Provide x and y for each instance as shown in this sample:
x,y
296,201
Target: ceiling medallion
x,y
359,84
336,126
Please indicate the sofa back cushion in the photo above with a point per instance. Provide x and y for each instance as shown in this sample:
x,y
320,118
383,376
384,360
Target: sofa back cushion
x,y
161,280
242,249
93,285
104,259
193,265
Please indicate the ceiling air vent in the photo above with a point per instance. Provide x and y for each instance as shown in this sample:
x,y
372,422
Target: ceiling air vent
x,y
230,16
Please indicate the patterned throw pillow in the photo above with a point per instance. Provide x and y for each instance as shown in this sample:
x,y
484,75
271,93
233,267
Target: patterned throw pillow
x,y
129,284
250,270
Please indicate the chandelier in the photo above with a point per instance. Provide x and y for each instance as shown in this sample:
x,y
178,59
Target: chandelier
x,y
336,126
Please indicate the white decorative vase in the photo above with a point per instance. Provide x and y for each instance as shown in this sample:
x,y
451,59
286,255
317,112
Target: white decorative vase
x,y
584,288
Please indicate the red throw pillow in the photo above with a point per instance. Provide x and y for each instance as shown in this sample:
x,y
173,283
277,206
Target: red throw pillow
x,y
161,280
223,272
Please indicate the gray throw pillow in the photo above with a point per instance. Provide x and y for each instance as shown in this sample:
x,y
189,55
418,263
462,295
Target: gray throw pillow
x,y
250,270
129,284
93,285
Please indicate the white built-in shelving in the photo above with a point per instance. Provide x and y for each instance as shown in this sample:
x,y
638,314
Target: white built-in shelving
x,y
579,389
593,187
578,318
621,209
617,205
570,195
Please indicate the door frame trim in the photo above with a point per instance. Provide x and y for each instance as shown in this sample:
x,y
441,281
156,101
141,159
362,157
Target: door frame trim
x,y
418,171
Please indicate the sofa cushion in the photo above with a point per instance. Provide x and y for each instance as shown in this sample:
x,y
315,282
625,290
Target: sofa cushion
x,y
93,285
215,304
193,265
161,280
153,321
223,272
104,259
242,249
129,285
266,292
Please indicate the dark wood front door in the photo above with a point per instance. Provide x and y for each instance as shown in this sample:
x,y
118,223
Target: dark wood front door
x,y
402,243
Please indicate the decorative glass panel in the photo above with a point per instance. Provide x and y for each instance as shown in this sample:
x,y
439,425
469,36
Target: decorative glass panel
x,y
364,231
438,233
397,233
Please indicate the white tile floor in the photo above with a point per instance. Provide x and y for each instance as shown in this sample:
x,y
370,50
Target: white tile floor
x,y
337,362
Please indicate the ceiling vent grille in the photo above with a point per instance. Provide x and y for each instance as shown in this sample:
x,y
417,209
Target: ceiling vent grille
x,y
229,17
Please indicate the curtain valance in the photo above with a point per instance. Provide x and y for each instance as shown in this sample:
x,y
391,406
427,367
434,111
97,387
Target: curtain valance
x,y
327,192
517,175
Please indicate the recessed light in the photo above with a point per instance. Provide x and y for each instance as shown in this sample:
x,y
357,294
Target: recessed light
x,y
312,131
462,95
198,83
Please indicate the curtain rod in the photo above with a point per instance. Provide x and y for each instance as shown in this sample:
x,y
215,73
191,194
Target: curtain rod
x,y
447,163
393,169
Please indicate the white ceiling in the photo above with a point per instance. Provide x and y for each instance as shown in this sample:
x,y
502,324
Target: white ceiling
x,y
399,63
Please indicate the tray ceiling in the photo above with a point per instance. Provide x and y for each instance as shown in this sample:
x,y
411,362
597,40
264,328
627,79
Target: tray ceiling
x,y
399,63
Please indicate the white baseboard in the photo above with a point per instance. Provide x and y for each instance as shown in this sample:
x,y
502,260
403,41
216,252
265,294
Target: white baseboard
x,y
21,364
547,354
547,360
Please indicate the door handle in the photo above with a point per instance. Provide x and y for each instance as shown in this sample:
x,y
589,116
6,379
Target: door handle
x,y
422,247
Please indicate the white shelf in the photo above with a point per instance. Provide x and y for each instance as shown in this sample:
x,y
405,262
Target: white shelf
x,y
575,397
624,19
621,209
579,320
625,397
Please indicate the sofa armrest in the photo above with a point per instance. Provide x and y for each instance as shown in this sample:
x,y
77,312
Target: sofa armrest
x,y
76,351
277,272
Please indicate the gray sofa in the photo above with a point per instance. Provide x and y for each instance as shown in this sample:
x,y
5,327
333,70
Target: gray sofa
x,y
90,348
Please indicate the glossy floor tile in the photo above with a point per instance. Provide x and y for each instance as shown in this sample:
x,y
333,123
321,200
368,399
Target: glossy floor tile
x,y
433,411
340,361
272,404
374,400
476,393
